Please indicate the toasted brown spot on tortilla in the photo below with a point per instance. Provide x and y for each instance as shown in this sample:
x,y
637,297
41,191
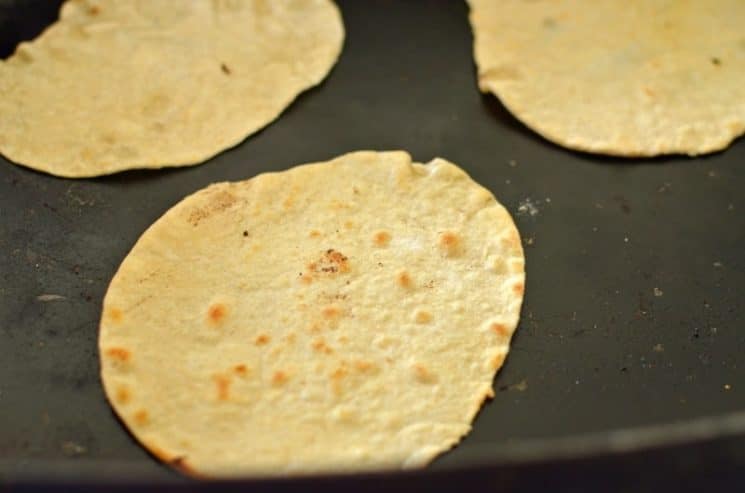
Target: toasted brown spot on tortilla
x,y
340,372
115,314
314,233
337,377
222,383
225,69
216,314
183,466
348,224
518,288
279,378
403,279
219,201
381,238
497,361
262,339
119,354
449,242
363,365
305,278
422,373
241,370
141,417
331,311
94,10
123,395
422,317
339,259
500,329
321,346
331,262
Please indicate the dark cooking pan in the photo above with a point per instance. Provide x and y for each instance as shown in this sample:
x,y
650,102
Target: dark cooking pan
x,y
628,363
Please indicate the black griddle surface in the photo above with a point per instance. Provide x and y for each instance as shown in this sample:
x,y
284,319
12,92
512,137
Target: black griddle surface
x,y
635,268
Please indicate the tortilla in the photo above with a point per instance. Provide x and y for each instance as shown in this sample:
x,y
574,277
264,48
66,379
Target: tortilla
x,y
116,85
616,77
337,316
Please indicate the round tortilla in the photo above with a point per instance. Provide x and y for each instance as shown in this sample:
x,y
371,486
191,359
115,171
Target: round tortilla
x,y
116,85
617,77
337,316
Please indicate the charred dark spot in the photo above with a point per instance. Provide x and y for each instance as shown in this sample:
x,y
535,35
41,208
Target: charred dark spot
x,y
245,234
716,61
330,262
225,69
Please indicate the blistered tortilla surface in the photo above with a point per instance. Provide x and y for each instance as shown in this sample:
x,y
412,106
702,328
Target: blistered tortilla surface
x,y
337,316
115,85
627,78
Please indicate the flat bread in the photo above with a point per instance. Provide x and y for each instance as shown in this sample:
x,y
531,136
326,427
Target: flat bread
x,y
639,78
116,85
337,316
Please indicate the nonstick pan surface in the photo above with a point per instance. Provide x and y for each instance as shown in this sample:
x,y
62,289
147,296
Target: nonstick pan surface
x,y
633,316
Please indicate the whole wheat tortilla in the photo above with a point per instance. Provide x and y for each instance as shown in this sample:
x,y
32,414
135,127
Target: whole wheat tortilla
x,y
115,85
343,315
637,78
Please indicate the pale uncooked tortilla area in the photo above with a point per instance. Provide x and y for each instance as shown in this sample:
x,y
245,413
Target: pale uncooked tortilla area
x,y
612,77
338,316
116,85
